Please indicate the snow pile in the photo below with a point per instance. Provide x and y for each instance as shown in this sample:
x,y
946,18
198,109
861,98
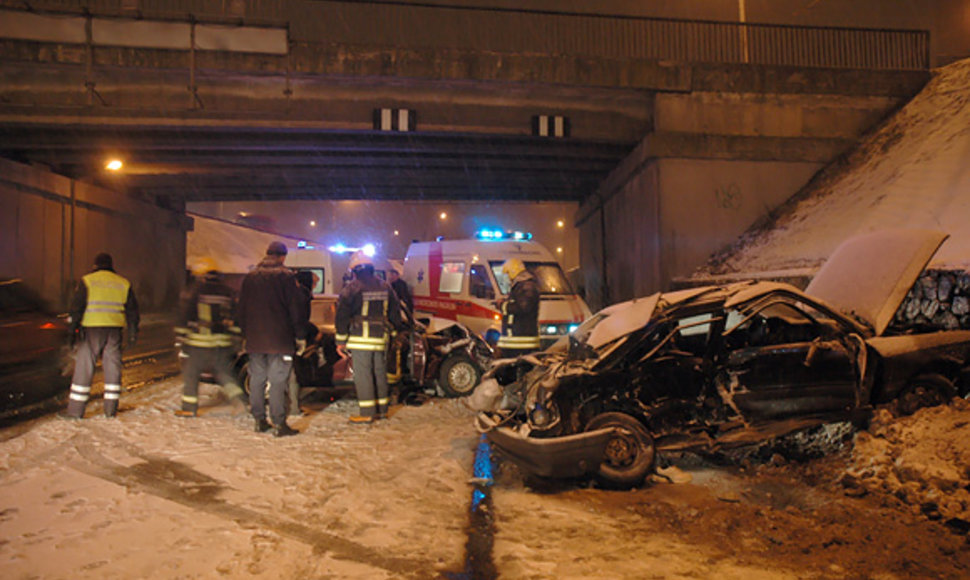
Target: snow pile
x,y
922,461
913,171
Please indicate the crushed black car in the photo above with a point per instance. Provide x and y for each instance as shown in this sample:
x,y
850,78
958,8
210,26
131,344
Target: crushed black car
x,y
711,368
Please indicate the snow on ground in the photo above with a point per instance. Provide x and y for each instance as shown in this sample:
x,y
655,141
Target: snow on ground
x,y
151,495
921,461
912,171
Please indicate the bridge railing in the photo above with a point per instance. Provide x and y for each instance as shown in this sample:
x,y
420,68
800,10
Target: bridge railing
x,y
615,36
547,32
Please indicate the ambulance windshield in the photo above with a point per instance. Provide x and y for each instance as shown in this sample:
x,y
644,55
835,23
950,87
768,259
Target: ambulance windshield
x,y
548,274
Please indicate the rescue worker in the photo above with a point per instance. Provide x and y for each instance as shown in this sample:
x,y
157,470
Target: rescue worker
x,y
520,312
305,281
400,287
205,329
270,315
104,304
367,313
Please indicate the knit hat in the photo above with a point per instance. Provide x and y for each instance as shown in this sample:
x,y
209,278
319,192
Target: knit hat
x,y
276,249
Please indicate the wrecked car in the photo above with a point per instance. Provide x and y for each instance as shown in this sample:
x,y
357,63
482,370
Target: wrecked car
x,y
711,368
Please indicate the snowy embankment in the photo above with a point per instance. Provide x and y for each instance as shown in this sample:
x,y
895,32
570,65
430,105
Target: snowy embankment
x,y
911,172
921,461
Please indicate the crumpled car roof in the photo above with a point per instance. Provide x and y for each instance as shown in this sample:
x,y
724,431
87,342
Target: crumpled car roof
x,y
867,275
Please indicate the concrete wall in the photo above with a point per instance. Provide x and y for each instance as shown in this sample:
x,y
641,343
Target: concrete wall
x,y
51,228
731,147
706,204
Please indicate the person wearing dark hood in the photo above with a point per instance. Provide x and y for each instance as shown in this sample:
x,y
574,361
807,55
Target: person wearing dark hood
x,y
367,313
206,330
104,304
270,315
400,287
520,312
305,280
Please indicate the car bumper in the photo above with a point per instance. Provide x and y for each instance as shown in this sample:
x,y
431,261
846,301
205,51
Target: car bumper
x,y
556,457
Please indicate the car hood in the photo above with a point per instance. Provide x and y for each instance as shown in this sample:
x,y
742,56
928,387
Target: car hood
x,y
870,275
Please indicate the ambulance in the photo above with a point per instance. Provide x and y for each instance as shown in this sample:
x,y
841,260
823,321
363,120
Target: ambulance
x,y
462,280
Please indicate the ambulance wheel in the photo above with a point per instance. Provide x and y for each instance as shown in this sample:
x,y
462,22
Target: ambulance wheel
x,y
458,376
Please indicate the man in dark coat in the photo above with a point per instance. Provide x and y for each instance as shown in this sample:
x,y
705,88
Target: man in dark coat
x,y
400,288
271,318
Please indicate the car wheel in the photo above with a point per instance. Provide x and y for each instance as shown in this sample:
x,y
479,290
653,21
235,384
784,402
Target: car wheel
x,y
927,390
458,376
630,452
242,377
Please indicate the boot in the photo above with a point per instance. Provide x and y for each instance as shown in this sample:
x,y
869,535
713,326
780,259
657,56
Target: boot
x,y
262,426
184,413
363,420
77,402
284,430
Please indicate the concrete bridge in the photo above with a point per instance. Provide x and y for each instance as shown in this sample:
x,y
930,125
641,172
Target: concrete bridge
x,y
666,159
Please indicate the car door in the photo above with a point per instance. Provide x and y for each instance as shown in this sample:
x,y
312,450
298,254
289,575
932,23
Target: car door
x,y
786,359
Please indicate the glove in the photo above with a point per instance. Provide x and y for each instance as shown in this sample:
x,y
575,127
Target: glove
x,y
300,346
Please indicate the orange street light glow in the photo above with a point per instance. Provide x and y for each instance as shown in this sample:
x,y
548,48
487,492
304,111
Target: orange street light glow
x,y
114,165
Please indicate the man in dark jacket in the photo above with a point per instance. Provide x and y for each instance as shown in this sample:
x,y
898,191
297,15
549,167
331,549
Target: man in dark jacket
x,y
400,287
271,319
367,313
206,329
103,305
520,312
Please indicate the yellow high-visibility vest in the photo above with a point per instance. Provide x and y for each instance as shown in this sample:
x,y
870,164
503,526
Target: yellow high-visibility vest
x,y
107,294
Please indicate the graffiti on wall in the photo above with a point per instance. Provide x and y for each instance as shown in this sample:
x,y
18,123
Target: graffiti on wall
x,y
728,196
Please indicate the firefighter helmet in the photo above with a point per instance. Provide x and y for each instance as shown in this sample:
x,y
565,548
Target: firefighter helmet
x,y
359,260
204,265
512,268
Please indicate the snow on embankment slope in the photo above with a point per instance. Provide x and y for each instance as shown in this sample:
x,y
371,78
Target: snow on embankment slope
x,y
913,171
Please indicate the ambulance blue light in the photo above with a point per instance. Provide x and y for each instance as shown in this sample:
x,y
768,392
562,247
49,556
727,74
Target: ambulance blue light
x,y
496,234
573,327
339,248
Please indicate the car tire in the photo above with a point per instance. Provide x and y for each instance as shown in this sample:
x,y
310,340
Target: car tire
x,y
630,452
929,390
458,377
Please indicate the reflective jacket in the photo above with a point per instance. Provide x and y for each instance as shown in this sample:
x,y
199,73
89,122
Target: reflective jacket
x,y
366,314
105,299
520,315
205,318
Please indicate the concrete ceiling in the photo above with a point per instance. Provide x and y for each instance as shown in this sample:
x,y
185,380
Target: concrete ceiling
x,y
221,162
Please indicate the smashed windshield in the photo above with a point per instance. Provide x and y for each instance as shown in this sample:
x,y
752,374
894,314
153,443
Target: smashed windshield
x,y
549,275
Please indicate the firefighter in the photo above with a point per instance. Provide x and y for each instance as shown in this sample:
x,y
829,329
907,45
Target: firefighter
x,y
104,304
367,314
206,330
520,312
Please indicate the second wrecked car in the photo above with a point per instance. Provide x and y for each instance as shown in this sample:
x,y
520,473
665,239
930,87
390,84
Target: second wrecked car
x,y
724,366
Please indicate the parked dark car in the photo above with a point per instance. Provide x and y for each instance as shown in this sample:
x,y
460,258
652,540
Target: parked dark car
x,y
35,364
717,367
